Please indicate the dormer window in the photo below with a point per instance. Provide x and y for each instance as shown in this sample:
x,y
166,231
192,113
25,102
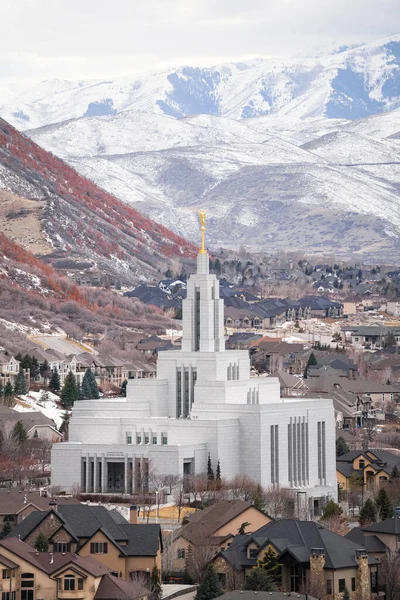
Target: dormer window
x,y
70,583
253,553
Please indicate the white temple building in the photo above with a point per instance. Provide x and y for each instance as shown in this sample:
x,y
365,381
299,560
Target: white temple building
x,y
203,402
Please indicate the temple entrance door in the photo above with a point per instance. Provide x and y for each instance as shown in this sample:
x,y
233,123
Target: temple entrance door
x,y
115,479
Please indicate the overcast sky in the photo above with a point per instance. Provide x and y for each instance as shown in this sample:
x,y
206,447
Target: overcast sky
x,y
73,39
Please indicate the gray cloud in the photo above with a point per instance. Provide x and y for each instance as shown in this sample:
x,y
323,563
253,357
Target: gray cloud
x,y
95,38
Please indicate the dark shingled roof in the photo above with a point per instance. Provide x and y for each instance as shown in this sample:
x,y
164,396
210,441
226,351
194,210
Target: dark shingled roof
x,y
370,542
143,539
298,538
111,587
14,501
387,526
246,595
6,562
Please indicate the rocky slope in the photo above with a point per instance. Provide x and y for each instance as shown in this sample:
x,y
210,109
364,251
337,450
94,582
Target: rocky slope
x,y
80,221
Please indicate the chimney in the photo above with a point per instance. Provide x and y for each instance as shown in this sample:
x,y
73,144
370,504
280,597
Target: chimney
x,y
53,504
133,515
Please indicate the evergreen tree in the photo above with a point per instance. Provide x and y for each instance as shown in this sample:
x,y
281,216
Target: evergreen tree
x,y
332,510
218,475
45,371
6,530
54,383
311,361
210,472
8,392
341,447
34,368
210,587
1,391
70,391
36,435
89,388
383,504
259,581
155,584
270,564
65,426
19,433
346,594
85,392
395,474
20,384
367,513
257,497
41,543
123,387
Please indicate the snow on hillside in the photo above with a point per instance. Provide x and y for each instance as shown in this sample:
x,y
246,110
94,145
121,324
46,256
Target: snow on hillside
x,y
351,84
45,402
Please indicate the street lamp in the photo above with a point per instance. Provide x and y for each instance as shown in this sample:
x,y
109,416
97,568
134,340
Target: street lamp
x,y
157,492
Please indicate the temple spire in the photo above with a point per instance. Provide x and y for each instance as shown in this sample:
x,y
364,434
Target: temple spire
x,y
202,214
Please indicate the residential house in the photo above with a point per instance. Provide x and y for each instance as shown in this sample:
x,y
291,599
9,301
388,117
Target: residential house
x,y
107,369
215,526
372,336
9,369
16,505
378,538
291,385
149,346
35,423
169,286
56,361
393,308
27,574
125,548
374,467
272,356
310,556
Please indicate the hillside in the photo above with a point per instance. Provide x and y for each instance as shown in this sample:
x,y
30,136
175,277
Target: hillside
x,y
350,84
35,299
79,221
319,185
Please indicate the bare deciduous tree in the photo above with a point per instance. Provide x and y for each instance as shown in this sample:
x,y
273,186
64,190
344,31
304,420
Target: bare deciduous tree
x,y
389,575
201,551
279,502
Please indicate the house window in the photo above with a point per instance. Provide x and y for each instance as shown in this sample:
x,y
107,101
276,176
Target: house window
x,y
329,586
342,585
99,548
80,583
61,547
8,596
6,574
374,582
361,464
253,552
353,584
69,583
181,553
356,339
129,438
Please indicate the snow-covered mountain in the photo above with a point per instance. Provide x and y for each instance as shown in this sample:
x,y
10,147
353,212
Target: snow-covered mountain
x,y
321,185
348,84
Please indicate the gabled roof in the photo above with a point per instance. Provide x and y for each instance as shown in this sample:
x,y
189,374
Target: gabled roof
x,y
6,562
387,526
13,501
370,542
143,539
299,538
112,588
51,563
204,523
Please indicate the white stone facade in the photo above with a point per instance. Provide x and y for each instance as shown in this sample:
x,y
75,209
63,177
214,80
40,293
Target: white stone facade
x,y
202,402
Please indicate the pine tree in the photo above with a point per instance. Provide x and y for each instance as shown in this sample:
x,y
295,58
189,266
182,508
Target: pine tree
x,y
155,584
383,504
70,391
210,472
395,474
8,392
1,391
218,475
123,387
257,497
19,433
6,530
44,370
85,392
331,510
89,388
259,581
341,447
346,594
243,527
64,429
41,543
54,383
20,384
210,587
367,513
311,361
270,564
